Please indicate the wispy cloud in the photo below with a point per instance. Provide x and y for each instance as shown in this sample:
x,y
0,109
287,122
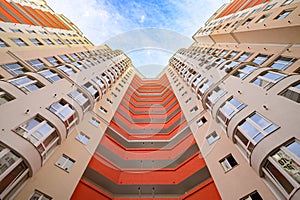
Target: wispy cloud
x,y
112,22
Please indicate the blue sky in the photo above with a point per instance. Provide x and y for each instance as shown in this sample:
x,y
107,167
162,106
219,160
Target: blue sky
x,y
102,20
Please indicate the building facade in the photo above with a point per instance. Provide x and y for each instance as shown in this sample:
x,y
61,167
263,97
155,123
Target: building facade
x,y
78,121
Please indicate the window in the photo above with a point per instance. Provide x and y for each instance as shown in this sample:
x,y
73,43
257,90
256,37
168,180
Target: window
x,y
65,112
80,98
53,61
1,30
228,163
260,59
94,122
232,54
58,41
19,42
83,138
253,196
3,44
292,92
15,68
188,100
31,31
284,14
109,101
203,88
67,70
243,72
103,110
78,66
283,63
16,30
282,168
26,83
268,79
229,109
194,109
65,58
229,66
67,41
223,53
287,2
43,32
13,171
50,75
214,96
65,163
92,90
218,62
245,56
74,56
40,133
262,18
36,41
100,83
36,64
48,41
197,81
212,137
247,22
201,121
74,41
269,7
5,97
37,195
252,130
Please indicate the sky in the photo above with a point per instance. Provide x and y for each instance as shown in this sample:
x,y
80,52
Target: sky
x,y
148,31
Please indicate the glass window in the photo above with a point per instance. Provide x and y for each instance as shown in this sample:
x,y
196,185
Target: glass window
x,y
223,53
214,96
67,41
80,98
12,171
94,122
203,88
37,195
103,110
78,66
260,59
92,90
252,130
36,64
253,196
3,44
15,30
5,97
65,162
228,163
287,2
26,84
40,133
229,66
65,112
218,62
19,42
74,56
74,41
31,31
212,137
53,61
15,68
67,70
245,56
201,121
48,41
232,54
269,7
283,168
43,32
243,72
293,92
284,14
247,22
83,138
65,58
283,63
229,109
35,41
262,18
194,109
50,75
58,41
268,79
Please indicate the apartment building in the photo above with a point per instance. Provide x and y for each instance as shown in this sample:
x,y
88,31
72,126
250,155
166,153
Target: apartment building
x,y
78,121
